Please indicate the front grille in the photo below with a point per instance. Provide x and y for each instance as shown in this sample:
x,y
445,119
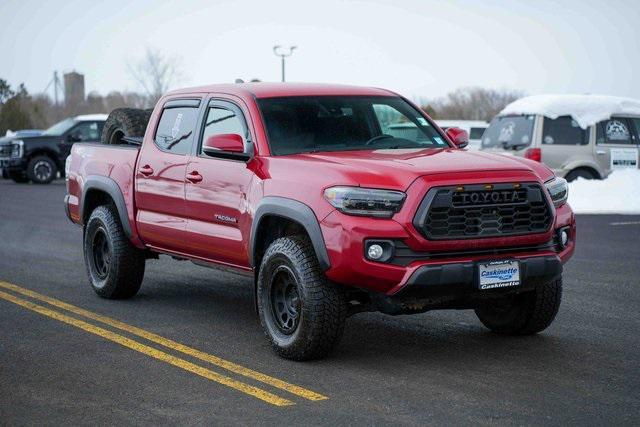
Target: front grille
x,y
5,150
476,212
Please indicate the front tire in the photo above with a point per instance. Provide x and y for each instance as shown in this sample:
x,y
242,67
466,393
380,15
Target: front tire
x,y
114,265
302,313
41,170
523,314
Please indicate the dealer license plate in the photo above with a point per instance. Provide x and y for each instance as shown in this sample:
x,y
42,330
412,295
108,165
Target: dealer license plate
x,y
498,274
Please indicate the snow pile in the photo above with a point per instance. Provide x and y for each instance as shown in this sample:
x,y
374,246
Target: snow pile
x,y
619,193
586,110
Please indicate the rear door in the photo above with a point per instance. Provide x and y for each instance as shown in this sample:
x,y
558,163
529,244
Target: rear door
x,y
617,144
216,191
160,175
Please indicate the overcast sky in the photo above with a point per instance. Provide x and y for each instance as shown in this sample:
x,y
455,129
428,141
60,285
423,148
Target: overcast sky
x,y
419,48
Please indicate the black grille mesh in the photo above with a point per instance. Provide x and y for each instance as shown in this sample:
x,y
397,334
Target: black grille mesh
x,y
453,214
5,150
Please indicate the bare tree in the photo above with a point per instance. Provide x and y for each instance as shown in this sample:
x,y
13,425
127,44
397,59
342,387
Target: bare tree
x,y
472,103
155,73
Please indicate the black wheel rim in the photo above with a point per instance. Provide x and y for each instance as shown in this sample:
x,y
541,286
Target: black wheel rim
x,y
101,253
42,170
285,300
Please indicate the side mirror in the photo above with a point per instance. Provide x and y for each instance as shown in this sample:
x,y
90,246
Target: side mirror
x,y
74,137
459,137
226,146
229,142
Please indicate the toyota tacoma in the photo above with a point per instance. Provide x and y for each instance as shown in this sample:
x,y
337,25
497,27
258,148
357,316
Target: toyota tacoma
x,y
317,193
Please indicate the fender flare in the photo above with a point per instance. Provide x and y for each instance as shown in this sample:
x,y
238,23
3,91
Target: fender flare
x,y
295,211
109,186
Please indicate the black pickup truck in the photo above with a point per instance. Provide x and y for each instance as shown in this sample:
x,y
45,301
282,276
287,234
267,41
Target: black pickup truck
x,y
39,158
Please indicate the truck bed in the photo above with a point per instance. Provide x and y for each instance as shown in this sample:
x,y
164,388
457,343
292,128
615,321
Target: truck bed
x,y
110,164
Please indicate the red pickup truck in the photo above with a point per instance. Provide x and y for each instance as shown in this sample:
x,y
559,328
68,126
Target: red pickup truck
x,y
336,199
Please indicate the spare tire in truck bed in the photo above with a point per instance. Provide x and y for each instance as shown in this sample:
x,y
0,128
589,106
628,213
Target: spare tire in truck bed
x,y
125,122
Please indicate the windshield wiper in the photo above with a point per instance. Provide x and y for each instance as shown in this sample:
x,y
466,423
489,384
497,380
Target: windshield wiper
x,y
377,138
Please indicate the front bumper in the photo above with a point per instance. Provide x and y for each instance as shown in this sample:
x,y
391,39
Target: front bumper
x,y
431,268
11,165
460,279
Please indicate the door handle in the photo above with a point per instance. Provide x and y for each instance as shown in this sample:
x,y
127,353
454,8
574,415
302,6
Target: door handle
x,y
146,170
601,152
194,177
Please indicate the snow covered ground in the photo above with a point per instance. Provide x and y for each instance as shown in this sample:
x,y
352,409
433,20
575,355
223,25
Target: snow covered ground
x,y
619,193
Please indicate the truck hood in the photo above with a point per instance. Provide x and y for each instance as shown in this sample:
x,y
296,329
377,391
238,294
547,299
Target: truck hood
x,y
30,139
398,168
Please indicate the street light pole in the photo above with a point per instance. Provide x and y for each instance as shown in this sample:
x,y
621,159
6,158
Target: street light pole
x,y
278,51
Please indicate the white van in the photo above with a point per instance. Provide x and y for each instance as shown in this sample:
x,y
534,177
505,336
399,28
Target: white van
x,y
584,136
475,129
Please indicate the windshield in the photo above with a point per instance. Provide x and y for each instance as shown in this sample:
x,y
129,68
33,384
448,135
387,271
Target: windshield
x,y
60,127
340,123
509,132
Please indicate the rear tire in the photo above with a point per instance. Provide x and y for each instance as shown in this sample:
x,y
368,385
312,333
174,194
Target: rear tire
x,y
580,173
41,170
302,313
524,314
114,265
125,122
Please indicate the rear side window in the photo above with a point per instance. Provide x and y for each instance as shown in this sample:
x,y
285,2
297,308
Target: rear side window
x,y
476,133
616,130
176,129
563,131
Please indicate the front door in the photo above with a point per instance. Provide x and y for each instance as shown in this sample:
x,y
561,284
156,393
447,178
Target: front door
x,y
160,176
84,131
617,144
216,193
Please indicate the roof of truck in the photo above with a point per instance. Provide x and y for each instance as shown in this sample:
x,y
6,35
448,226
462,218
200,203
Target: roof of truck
x,y
275,90
586,110
91,117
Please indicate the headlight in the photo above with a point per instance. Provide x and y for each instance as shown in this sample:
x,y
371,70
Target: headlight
x,y
559,190
17,148
365,201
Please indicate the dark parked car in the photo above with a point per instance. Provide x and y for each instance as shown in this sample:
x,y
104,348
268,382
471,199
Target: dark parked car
x,y
38,157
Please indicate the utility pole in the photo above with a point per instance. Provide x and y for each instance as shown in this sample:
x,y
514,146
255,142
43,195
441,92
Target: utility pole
x,y
277,50
57,86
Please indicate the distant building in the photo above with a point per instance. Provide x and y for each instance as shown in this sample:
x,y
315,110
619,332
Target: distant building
x,y
73,89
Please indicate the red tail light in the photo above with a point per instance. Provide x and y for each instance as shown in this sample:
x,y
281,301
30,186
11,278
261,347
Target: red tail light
x,y
533,154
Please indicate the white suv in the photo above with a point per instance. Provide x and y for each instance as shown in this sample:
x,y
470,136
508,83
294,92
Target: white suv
x,y
575,135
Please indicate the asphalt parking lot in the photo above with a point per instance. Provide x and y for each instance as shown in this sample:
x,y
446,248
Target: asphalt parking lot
x,y
189,350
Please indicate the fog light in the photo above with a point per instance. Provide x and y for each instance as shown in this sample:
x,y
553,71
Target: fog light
x,y
375,252
564,238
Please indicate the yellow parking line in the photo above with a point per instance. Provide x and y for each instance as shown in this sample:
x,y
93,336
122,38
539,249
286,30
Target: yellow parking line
x,y
150,351
230,366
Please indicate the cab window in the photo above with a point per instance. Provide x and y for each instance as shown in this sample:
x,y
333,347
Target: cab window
x,y
563,131
175,129
616,130
476,133
87,131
